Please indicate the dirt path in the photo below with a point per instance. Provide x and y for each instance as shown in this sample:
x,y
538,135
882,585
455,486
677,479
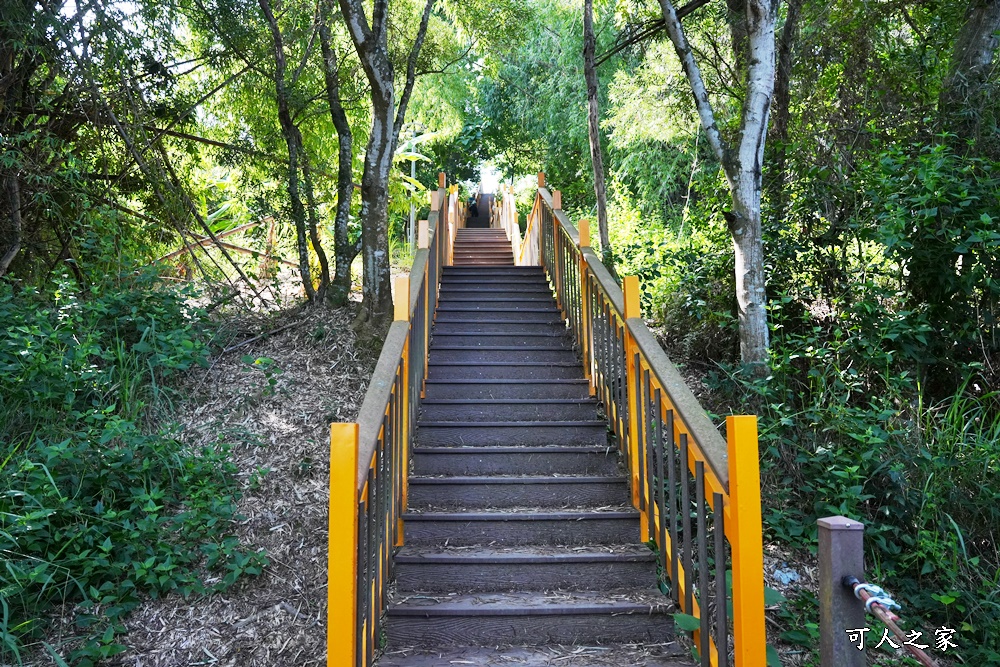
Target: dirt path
x,y
281,446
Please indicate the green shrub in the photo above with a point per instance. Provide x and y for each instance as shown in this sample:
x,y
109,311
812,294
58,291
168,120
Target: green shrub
x,y
97,509
845,430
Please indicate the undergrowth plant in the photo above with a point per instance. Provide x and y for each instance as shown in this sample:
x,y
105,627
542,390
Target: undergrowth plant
x,y
100,506
846,431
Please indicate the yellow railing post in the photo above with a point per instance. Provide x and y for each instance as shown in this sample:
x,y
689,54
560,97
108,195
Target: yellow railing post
x,y
401,305
556,273
586,344
747,541
423,243
401,299
422,235
630,288
342,560
453,213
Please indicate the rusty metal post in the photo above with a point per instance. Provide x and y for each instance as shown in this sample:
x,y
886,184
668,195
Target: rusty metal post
x,y
841,554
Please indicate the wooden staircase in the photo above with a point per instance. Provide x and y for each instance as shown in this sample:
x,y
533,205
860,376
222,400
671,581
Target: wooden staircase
x,y
476,247
522,547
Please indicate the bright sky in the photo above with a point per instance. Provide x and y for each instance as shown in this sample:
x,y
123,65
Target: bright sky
x,y
489,177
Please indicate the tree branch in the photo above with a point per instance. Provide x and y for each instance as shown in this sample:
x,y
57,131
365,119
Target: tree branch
x,y
675,31
357,24
14,200
444,68
411,69
651,29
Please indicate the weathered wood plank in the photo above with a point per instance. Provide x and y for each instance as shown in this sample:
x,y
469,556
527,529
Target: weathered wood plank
x,y
553,460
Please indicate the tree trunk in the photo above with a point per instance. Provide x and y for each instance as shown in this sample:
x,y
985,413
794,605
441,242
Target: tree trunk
x,y
594,129
736,17
782,105
293,139
377,284
742,165
344,250
971,62
370,42
13,189
313,216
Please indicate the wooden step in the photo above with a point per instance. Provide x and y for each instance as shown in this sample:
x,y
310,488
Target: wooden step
x,y
499,273
529,619
491,277
501,388
559,339
467,326
525,270
495,354
499,307
531,315
646,654
484,262
521,527
495,298
494,492
509,409
505,370
481,250
528,568
502,460
485,434
508,284
473,288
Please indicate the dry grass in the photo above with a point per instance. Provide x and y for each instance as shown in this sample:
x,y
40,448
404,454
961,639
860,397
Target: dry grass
x,y
281,447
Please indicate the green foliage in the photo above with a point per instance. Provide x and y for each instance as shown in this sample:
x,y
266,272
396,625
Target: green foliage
x,y
936,220
267,367
846,432
97,509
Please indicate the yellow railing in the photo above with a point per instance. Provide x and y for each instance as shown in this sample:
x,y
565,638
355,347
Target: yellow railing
x,y
682,472
368,459
505,217
665,437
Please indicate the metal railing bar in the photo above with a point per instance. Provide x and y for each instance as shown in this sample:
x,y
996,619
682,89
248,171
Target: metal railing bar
x,y
690,416
672,490
661,484
640,446
721,625
650,454
685,516
699,494
362,585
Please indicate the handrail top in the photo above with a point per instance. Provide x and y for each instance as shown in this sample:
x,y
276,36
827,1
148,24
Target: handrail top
x,y
605,281
571,230
372,411
699,427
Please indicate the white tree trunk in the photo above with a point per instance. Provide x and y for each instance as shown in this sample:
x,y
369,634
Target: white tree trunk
x,y
746,179
742,166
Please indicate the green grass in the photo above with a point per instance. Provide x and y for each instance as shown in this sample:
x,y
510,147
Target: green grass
x,y
101,504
